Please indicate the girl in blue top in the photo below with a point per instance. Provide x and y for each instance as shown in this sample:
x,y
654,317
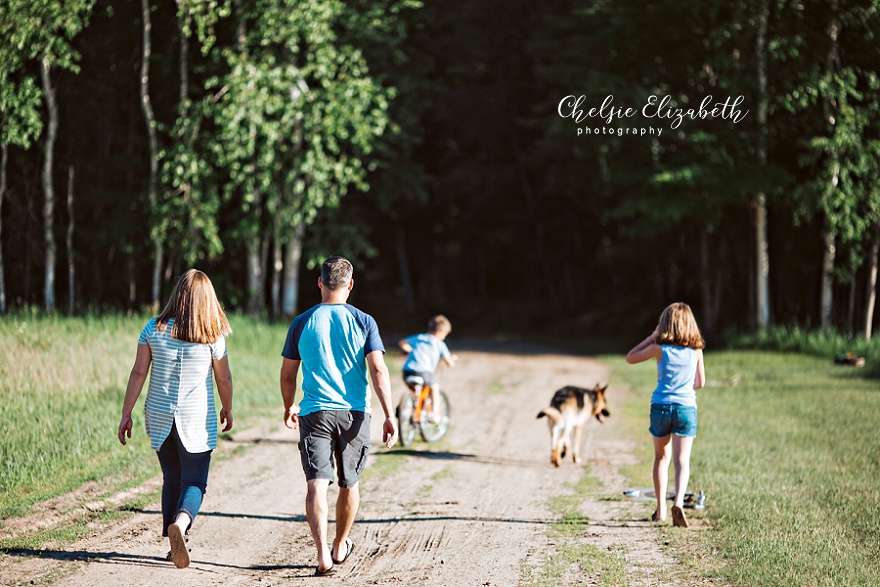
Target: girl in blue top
x,y
677,346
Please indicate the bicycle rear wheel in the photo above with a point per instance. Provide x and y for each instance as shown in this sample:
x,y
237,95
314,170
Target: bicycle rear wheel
x,y
434,423
407,428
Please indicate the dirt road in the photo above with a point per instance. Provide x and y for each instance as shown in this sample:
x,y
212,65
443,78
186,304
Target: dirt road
x,y
469,511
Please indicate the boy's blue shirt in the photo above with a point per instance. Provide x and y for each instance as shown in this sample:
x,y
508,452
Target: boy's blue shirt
x,y
426,352
332,341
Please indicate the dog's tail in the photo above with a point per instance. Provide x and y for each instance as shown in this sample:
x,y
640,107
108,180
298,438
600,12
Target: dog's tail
x,y
552,413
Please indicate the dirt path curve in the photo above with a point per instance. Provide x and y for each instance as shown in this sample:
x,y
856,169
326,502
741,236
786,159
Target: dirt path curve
x,y
468,511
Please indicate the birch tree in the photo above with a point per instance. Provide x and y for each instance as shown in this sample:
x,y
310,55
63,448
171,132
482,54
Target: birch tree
x,y
38,31
156,233
296,112
759,201
20,98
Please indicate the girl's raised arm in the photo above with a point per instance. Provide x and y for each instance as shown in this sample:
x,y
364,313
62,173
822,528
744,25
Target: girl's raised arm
x,y
647,349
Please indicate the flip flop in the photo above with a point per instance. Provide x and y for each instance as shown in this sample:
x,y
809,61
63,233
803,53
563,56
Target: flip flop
x,y
326,572
655,517
179,552
168,556
349,548
678,517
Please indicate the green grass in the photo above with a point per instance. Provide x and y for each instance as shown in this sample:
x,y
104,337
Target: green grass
x,y
62,381
572,557
496,386
789,459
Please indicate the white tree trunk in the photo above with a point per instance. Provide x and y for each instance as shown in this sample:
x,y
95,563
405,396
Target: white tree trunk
x,y
292,259
829,237
48,188
871,296
277,266
4,161
184,63
762,261
150,120
829,252
71,270
254,276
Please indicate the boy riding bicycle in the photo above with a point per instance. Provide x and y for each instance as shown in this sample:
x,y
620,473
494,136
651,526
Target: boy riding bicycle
x,y
425,351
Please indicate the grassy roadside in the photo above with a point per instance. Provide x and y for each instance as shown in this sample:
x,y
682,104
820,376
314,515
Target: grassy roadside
x,y
572,557
789,459
62,381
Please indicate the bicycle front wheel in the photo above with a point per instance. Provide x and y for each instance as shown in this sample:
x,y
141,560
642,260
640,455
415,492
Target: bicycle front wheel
x,y
407,428
434,423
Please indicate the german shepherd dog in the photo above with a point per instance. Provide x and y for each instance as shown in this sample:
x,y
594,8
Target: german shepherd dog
x,y
568,411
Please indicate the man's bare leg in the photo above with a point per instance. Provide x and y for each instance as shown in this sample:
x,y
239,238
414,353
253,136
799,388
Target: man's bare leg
x,y
316,513
347,505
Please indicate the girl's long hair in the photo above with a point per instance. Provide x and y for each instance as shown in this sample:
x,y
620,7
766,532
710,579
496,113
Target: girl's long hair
x,y
678,327
195,309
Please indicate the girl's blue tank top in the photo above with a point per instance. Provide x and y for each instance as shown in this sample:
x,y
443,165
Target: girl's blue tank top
x,y
675,377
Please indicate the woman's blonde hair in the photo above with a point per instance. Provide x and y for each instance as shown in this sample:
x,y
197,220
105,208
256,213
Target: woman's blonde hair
x,y
678,327
195,309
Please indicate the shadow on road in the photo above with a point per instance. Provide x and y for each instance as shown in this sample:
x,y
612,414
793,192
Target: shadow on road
x,y
132,559
296,518
457,456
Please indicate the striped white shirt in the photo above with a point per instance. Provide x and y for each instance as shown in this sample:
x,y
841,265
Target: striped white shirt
x,y
181,389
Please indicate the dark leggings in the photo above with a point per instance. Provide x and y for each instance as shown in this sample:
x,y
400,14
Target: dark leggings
x,y
185,477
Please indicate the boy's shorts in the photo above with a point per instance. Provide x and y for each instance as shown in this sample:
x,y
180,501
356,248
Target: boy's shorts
x,y
426,375
342,434
675,419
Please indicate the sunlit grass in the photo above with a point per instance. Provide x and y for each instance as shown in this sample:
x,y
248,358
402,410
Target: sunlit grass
x,y
62,381
789,458
572,558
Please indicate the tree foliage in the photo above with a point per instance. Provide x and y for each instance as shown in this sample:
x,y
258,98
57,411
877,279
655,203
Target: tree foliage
x,y
423,139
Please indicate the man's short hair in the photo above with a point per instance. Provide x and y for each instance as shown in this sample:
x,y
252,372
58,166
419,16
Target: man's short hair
x,y
336,272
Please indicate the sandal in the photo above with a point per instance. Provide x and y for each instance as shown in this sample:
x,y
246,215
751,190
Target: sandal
x,y
678,517
326,572
349,548
179,552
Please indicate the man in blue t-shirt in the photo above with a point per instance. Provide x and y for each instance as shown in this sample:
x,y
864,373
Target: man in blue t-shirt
x,y
337,346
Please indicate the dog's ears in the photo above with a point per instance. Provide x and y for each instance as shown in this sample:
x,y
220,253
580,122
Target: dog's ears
x,y
603,389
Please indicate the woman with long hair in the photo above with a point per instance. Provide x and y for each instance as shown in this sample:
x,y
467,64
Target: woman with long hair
x,y
184,346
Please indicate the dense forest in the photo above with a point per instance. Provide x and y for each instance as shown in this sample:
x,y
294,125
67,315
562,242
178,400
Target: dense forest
x,y
435,143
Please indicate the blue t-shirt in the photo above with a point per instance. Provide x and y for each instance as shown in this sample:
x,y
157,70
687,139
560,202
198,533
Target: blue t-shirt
x,y
676,372
332,341
426,352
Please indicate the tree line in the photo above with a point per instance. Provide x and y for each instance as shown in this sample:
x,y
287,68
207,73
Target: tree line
x,y
423,139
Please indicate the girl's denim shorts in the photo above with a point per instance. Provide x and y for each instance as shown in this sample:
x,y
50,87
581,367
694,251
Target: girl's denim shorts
x,y
675,419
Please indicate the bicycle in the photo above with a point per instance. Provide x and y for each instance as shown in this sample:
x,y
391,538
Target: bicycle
x,y
416,410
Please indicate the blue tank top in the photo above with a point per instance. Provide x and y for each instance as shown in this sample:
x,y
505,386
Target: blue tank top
x,y
675,377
